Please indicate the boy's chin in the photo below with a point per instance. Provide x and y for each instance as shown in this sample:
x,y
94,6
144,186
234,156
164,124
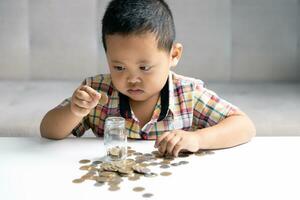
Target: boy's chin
x,y
134,98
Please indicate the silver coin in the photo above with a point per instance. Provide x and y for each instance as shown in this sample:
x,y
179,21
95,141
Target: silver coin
x,y
151,174
147,195
175,164
165,166
99,184
183,162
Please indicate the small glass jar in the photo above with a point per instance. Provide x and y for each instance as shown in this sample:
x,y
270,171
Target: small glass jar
x,y
115,139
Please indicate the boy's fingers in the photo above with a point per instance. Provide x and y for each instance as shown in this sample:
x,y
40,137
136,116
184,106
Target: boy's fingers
x,y
158,140
82,95
93,93
172,143
81,103
177,149
163,144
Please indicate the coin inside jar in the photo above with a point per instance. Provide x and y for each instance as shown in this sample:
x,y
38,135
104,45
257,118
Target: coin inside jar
x,y
116,152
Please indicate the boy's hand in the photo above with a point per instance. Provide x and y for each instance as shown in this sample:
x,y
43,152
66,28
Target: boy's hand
x,y
173,142
84,99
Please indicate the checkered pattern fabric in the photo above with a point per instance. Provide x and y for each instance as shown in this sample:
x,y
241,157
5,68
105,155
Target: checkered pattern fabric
x,y
190,106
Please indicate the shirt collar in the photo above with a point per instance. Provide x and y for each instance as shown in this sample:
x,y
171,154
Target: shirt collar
x,y
166,98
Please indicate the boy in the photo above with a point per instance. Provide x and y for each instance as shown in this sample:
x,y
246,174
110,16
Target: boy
x,y
179,112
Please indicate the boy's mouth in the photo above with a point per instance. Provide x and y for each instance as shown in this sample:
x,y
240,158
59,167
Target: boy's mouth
x,y
135,91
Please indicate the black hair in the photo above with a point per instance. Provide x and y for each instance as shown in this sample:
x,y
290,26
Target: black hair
x,y
137,17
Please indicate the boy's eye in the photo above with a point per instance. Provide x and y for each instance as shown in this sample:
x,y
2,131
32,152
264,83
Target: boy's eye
x,y
145,68
119,68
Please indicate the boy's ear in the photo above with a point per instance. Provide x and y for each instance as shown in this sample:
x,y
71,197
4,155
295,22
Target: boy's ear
x,y
176,53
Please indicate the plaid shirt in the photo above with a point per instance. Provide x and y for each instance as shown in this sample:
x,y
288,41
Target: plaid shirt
x,y
184,104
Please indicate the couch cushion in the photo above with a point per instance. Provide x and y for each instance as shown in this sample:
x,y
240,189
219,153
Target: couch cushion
x,y
273,107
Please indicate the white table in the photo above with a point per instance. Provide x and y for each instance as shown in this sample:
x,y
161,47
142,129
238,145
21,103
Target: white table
x,y
265,168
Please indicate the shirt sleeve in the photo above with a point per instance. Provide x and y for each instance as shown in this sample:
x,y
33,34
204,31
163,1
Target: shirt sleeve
x,y
209,108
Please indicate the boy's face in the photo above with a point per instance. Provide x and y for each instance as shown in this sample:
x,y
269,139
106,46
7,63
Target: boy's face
x,y
138,68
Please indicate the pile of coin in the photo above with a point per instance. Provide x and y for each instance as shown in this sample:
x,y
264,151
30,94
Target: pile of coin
x,y
136,165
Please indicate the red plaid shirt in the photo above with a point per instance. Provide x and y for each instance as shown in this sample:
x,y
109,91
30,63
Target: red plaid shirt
x,y
184,104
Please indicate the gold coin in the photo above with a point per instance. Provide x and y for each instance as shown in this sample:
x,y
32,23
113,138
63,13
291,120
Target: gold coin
x,y
85,167
78,180
104,99
130,151
165,173
133,178
147,195
113,188
153,163
84,161
102,179
144,164
138,189
94,178
165,162
87,176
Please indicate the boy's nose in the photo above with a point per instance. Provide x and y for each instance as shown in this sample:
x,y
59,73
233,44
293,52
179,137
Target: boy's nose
x,y
133,79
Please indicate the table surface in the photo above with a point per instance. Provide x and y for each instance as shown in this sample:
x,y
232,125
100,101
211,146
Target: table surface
x,y
265,168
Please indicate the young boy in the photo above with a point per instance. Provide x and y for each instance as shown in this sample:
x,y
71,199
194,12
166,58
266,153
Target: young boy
x,y
179,112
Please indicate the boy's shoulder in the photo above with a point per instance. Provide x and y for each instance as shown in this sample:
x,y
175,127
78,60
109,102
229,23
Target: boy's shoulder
x,y
100,82
185,81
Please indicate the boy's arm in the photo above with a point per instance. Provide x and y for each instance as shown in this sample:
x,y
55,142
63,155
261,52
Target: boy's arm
x,y
59,122
231,131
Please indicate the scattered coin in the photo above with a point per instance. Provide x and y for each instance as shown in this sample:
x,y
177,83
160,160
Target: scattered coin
x,y
165,173
85,167
138,189
133,178
165,166
166,162
183,162
79,180
153,163
139,169
147,195
97,162
151,174
113,188
84,161
130,151
98,184
115,171
175,164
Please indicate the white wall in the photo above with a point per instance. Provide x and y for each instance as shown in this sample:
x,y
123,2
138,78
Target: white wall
x,y
228,40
